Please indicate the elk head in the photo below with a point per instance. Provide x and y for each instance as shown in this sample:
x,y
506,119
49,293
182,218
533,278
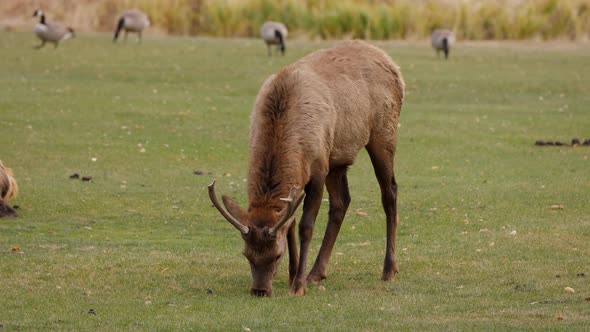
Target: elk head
x,y
264,231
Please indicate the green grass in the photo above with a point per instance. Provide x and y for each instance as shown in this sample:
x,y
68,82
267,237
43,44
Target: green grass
x,y
141,244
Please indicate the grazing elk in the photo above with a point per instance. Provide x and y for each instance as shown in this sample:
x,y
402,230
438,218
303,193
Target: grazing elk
x,y
308,124
8,190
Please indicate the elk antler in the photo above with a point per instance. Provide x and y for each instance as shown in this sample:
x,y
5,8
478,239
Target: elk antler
x,y
243,229
289,210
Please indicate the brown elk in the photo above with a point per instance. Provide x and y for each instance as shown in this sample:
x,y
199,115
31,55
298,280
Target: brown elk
x,y
8,190
308,124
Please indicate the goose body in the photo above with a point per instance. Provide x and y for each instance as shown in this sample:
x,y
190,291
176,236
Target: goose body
x,y
132,20
274,33
51,32
442,40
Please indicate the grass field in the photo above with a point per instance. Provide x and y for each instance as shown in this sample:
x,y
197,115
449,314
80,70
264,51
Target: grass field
x,y
138,248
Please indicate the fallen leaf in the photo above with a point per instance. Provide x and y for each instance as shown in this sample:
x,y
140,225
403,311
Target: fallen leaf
x,y
15,249
361,213
559,317
587,298
556,207
569,290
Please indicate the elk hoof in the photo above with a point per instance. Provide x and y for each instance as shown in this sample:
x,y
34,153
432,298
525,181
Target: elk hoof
x,y
298,292
315,278
387,276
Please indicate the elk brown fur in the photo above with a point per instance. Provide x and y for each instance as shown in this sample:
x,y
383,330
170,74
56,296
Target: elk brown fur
x,y
308,123
8,190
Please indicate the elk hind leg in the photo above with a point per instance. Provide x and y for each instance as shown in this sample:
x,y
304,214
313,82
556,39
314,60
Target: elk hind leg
x,y
382,159
337,186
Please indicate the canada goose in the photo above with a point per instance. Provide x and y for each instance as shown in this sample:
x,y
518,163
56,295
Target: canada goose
x,y
442,40
51,32
8,190
274,33
132,20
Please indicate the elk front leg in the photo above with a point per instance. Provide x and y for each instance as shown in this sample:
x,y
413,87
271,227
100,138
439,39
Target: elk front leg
x,y
313,199
337,185
293,258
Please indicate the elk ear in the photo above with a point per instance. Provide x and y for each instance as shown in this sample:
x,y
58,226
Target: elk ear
x,y
233,208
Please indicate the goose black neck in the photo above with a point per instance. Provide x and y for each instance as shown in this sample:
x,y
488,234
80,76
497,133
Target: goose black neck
x,y
120,25
279,36
445,43
42,20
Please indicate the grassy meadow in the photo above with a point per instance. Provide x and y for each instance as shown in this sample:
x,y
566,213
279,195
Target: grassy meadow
x,y
141,248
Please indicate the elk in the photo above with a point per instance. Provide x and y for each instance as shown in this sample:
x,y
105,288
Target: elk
x,y
308,123
8,191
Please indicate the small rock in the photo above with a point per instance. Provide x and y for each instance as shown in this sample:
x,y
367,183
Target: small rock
x,y
322,287
91,312
581,275
87,178
560,317
587,298
16,207
362,214
556,207
199,172
513,233
569,290
75,176
209,291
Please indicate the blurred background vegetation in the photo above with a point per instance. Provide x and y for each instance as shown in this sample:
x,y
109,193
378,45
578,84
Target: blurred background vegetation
x,y
323,19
